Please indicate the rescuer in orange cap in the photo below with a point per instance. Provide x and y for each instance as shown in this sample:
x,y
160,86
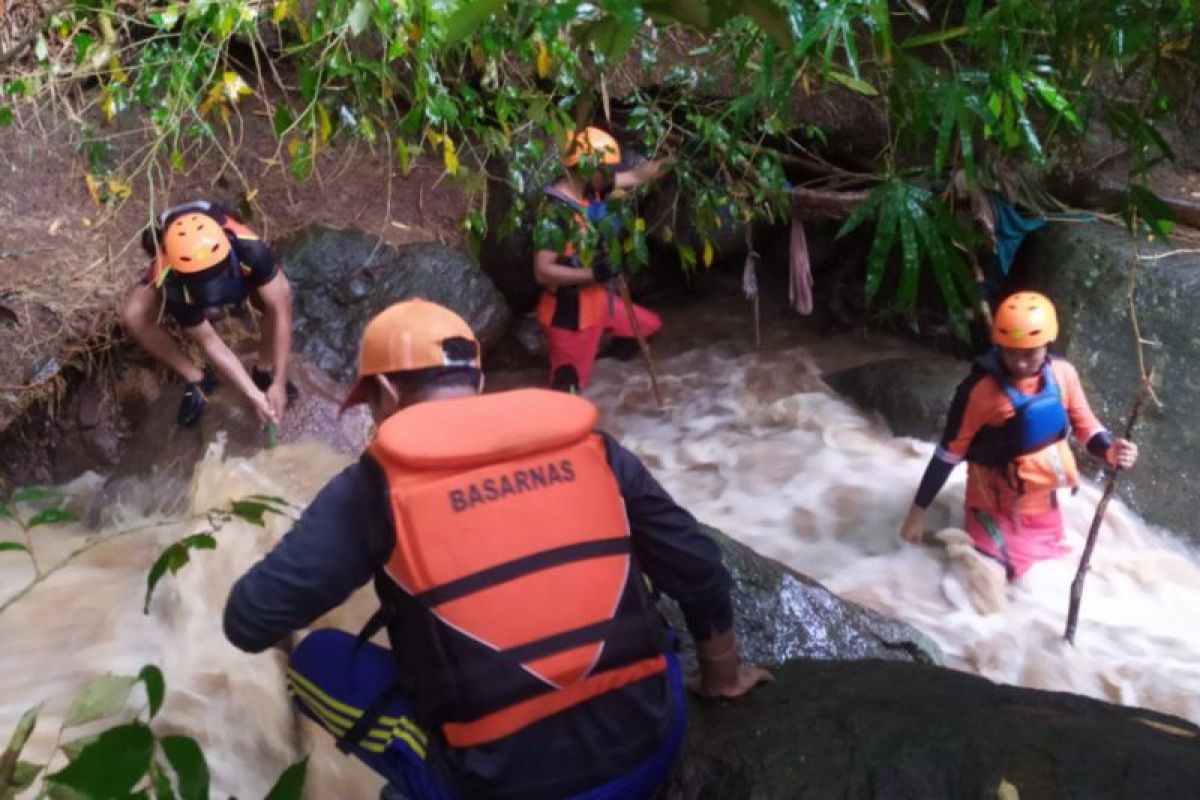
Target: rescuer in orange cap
x,y
1010,420
507,539
577,306
206,261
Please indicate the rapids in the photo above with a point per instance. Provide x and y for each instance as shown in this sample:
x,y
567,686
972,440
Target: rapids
x,y
750,442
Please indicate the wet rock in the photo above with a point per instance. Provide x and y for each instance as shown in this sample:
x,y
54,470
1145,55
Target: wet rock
x,y
342,278
911,394
1084,268
783,615
891,730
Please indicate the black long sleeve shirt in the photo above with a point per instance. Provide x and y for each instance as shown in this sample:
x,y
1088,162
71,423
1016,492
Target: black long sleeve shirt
x,y
344,538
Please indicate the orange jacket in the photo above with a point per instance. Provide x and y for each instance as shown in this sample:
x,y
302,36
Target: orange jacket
x,y
1027,483
512,569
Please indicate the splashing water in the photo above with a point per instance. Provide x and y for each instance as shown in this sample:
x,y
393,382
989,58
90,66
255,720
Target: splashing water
x,y
802,476
750,442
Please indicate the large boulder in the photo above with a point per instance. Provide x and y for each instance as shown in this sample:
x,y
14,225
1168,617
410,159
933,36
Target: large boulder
x,y
782,615
894,730
342,278
1084,268
911,394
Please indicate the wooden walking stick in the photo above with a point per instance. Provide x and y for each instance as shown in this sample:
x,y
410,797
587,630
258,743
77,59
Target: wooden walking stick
x,y
1101,507
643,345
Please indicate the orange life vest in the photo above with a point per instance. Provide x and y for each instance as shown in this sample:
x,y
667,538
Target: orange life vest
x,y
593,300
512,573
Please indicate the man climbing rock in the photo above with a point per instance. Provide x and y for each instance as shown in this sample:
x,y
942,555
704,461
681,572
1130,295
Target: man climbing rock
x,y
1010,419
206,261
508,542
577,306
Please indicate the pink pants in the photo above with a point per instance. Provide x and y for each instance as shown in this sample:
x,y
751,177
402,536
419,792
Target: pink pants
x,y
578,348
1027,540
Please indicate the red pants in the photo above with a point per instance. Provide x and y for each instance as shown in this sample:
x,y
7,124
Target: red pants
x,y
578,349
1027,540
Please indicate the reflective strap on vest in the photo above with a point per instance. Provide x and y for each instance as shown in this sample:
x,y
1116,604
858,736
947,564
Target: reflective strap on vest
x,y
511,570
508,721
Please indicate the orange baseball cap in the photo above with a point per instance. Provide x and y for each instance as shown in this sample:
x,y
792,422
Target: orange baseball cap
x,y
411,335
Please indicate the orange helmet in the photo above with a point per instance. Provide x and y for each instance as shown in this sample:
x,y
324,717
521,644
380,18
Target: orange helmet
x,y
412,335
589,141
194,242
1025,320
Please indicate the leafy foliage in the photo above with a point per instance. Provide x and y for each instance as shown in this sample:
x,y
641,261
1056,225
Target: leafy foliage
x,y
965,86
126,759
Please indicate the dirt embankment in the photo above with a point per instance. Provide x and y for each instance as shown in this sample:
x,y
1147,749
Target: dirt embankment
x,y
66,262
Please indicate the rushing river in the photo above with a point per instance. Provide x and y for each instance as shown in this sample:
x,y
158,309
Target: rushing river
x,y
749,442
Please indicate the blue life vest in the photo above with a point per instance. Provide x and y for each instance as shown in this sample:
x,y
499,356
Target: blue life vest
x,y
1040,419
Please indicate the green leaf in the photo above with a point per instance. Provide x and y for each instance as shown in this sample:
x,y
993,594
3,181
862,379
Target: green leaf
x,y
302,161
199,541
6,116
966,142
21,733
937,37
252,511
282,119
270,499
52,516
173,559
23,774
950,102
885,235
942,268
1030,136
76,746
161,783
360,15
853,83
1150,209
771,19
290,785
156,688
6,546
190,768
31,494
906,294
862,212
1053,98
5,511
103,697
467,18
112,765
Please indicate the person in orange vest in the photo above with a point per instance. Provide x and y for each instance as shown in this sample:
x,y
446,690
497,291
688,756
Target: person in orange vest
x,y
206,261
1010,420
507,539
577,305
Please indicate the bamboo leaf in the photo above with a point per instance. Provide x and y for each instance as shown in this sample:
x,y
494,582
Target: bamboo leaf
x,y
853,83
950,99
906,295
862,212
966,143
936,37
881,247
12,546
1053,98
